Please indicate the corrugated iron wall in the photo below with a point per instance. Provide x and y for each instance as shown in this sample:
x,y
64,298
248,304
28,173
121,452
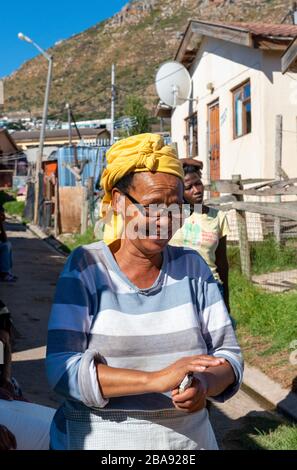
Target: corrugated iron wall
x,y
95,157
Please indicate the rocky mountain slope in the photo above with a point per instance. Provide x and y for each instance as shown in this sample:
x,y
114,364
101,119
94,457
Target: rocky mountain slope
x,y
142,35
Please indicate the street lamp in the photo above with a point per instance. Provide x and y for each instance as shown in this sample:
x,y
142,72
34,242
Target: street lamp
x,y
44,119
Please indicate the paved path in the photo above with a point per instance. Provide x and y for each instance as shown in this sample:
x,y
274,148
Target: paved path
x,y
29,300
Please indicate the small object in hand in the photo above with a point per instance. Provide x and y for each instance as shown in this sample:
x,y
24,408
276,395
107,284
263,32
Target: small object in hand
x,y
186,383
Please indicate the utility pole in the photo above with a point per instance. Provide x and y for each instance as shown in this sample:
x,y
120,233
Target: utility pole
x,y
75,125
1,93
294,13
41,141
77,167
113,95
161,125
38,171
67,106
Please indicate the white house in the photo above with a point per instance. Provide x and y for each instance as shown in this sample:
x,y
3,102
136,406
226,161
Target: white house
x,y
238,89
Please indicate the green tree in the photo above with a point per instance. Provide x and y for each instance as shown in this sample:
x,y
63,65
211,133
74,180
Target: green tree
x,y
134,107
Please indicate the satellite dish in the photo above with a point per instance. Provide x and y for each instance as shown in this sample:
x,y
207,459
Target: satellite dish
x,y
173,83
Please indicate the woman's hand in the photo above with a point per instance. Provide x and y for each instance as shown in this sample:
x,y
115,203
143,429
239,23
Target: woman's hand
x,y
117,382
170,378
7,439
194,398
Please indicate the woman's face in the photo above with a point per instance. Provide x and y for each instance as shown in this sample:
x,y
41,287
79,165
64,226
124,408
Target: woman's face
x,y
150,225
194,189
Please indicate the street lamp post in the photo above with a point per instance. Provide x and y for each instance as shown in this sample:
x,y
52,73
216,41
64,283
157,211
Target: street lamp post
x,y
44,119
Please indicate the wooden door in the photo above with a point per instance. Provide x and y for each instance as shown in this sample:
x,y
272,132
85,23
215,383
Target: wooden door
x,y
214,140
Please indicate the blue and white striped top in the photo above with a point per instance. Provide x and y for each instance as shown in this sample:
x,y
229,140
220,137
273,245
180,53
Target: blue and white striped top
x,y
98,313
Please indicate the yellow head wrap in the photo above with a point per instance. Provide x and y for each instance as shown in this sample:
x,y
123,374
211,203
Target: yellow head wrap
x,y
135,154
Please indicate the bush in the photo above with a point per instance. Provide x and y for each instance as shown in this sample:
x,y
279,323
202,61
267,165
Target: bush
x,y
78,239
14,208
6,196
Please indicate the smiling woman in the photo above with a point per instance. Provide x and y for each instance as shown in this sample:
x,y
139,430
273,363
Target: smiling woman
x,y
133,317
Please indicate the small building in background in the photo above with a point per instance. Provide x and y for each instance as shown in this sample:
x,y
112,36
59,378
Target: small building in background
x,y
60,137
238,89
13,162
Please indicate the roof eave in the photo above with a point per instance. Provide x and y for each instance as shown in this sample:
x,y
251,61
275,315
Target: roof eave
x,y
201,28
163,111
232,33
289,58
10,139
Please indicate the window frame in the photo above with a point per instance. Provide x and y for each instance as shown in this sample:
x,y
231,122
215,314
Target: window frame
x,y
234,91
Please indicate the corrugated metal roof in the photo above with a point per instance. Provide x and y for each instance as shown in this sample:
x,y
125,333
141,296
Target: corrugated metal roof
x,y
56,133
32,153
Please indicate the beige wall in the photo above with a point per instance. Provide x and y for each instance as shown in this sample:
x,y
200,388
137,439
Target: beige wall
x,y
280,97
227,65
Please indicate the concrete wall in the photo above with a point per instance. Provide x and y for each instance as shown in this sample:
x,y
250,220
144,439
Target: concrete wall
x,y
280,97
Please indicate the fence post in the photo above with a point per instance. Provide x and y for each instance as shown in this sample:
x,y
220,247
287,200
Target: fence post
x,y
29,205
277,170
244,247
40,201
56,209
84,210
91,197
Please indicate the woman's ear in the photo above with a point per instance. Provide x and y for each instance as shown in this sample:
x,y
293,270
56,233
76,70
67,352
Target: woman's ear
x,y
117,202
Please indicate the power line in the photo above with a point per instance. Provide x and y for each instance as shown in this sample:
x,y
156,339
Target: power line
x,y
90,97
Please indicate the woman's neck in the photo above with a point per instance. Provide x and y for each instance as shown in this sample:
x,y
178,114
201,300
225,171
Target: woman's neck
x,y
142,270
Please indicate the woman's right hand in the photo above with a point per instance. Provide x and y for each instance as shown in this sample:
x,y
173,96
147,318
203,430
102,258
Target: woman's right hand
x,y
170,378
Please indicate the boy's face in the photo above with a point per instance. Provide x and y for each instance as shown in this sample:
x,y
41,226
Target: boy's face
x,y
194,189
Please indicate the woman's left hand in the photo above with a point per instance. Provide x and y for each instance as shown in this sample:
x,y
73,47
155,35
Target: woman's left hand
x,y
194,398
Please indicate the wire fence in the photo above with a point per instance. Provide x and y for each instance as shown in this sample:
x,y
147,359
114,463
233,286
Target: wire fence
x,y
263,230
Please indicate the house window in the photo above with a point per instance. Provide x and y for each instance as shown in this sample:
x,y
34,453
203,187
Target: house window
x,y
242,112
191,136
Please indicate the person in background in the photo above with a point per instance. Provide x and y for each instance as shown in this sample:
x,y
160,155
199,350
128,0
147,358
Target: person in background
x,y
7,438
5,253
206,229
17,415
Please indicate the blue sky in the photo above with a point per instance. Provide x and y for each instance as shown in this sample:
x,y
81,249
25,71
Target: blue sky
x,y
45,22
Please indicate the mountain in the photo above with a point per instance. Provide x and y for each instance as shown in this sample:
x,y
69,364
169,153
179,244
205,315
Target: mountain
x,y
141,36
